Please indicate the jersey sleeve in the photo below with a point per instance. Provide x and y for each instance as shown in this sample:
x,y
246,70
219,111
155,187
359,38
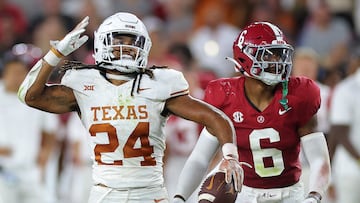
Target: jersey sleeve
x,y
215,93
309,96
167,83
77,79
177,84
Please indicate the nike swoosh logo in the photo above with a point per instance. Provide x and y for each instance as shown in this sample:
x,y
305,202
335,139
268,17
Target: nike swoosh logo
x,y
282,112
158,200
211,184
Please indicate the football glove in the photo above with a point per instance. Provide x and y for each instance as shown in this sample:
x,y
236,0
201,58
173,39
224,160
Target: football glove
x,y
231,166
72,41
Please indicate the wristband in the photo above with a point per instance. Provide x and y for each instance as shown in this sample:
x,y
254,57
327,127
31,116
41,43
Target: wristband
x,y
53,57
230,151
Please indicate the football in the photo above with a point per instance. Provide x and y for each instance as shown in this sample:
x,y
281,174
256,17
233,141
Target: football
x,y
215,190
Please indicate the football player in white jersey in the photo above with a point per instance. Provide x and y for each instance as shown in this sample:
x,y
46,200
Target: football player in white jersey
x,y
124,105
344,136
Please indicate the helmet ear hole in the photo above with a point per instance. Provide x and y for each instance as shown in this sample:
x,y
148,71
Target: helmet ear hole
x,y
242,60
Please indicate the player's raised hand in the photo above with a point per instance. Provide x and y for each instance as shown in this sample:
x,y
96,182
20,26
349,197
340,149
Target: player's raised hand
x,y
72,41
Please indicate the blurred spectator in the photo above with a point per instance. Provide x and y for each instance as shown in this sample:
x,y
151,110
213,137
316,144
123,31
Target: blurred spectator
x,y
13,25
30,8
159,54
182,52
76,177
27,135
275,12
212,42
181,137
306,64
26,53
140,8
343,9
49,9
263,11
356,17
235,12
329,36
179,17
104,8
344,137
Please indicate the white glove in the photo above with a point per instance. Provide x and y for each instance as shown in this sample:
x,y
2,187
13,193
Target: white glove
x,y
310,200
231,166
68,44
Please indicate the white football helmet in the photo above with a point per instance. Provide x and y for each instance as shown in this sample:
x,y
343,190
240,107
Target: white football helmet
x,y
105,43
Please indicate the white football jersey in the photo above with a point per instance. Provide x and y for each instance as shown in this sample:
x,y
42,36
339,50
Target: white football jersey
x,y
127,132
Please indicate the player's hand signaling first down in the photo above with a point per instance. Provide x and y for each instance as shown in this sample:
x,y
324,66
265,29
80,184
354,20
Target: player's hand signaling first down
x,y
72,41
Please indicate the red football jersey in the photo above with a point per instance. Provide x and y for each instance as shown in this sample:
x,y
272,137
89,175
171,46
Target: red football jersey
x,y
267,140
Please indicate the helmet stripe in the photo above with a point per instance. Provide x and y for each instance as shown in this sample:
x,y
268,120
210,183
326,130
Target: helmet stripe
x,y
276,30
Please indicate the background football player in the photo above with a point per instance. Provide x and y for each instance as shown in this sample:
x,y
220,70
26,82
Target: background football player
x,y
274,116
27,137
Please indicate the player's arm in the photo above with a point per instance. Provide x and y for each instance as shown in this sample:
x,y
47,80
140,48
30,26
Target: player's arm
x,y
341,117
51,98
340,134
316,152
54,98
216,123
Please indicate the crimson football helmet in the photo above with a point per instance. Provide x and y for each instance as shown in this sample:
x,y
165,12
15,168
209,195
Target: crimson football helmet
x,y
108,39
262,52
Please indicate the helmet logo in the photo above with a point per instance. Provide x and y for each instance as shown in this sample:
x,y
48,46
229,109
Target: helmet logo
x,y
130,26
242,39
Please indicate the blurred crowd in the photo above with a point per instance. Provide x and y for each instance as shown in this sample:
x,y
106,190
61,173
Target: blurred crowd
x,y
193,36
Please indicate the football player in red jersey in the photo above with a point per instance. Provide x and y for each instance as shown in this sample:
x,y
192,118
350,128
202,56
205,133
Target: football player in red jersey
x,y
274,117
